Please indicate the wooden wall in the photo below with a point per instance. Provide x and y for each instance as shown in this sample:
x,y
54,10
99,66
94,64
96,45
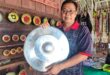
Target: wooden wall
x,y
31,7
34,6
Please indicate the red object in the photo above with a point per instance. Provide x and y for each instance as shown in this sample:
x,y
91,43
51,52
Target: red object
x,y
75,26
23,37
86,54
15,37
59,23
26,19
22,72
6,38
37,20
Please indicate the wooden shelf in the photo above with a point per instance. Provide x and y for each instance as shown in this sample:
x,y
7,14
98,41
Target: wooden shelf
x,y
12,64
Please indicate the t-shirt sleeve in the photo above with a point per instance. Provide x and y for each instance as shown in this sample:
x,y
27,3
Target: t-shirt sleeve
x,y
84,42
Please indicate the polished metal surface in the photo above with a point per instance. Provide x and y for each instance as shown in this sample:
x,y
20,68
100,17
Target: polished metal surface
x,y
45,46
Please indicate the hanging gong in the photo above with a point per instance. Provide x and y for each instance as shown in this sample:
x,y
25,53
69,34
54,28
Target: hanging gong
x,y
45,46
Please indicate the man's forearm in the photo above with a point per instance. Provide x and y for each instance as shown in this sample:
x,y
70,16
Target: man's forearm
x,y
73,61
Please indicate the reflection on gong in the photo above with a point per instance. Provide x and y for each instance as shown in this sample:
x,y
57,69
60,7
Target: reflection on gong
x,y
47,47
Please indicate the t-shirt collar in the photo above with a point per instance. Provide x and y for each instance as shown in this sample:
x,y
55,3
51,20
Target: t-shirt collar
x,y
74,26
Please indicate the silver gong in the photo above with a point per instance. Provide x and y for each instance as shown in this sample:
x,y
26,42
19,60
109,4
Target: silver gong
x,y
45,46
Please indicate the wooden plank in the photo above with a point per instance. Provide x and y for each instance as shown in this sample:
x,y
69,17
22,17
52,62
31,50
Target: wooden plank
x,y
49,10
40,7
16,3
12,64
51,3
40,1
1,1
28,4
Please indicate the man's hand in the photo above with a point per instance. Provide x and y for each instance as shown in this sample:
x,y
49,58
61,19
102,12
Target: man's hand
x,y
53,69
45,25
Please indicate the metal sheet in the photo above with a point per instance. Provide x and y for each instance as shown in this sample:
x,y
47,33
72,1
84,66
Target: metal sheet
x,y
45,46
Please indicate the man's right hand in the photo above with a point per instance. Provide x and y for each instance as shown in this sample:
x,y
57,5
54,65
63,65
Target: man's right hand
x,y
45,25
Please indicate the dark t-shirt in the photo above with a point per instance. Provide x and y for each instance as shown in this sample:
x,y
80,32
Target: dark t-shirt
x,y
80,41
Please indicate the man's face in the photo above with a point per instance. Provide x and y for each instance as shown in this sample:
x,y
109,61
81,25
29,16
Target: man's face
x,y
68,13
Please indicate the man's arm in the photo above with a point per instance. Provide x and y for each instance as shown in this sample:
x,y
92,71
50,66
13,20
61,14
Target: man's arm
x,y
73,61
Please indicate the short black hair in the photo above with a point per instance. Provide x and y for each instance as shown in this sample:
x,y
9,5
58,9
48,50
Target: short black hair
x,y
70,1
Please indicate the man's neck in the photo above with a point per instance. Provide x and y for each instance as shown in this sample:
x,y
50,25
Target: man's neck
x,y
66,25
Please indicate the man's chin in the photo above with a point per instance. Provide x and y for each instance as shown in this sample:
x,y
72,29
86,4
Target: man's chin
x,y
67,21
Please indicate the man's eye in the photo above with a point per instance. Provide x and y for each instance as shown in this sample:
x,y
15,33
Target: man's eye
x,y
65,10
70,11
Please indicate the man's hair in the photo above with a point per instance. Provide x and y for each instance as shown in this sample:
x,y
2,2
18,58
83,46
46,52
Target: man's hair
x,y
70,1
